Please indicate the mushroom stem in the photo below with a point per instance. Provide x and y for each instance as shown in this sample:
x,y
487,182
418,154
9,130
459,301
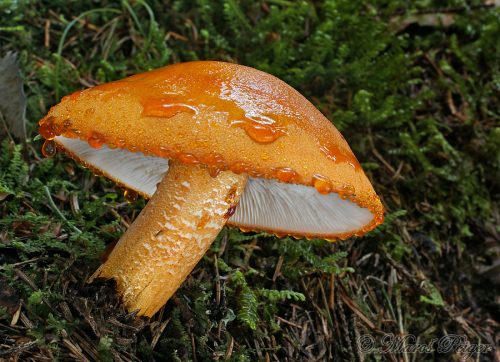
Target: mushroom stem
x,y
170,235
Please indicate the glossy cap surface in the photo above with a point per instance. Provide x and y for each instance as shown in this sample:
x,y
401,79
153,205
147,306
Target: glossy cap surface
x,y
226,116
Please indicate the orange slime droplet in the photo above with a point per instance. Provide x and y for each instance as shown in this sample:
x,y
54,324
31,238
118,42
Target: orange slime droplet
x,y
322,184
130,196
49,148
67,131
47,131
230,212
286,174
205,218
74,96
187,158
213,171
165,108
239,167
348,190
337,155
95,140
120,143
164,152
263,133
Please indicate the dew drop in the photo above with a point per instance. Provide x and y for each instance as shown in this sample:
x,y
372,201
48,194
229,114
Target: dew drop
x,y
130,195
49,148
322,184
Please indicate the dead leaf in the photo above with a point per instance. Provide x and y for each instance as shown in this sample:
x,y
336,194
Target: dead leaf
x,y
444,20
9,300
12,98
3,195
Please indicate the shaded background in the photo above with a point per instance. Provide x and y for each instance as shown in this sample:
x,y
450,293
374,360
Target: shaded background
x,y
414,88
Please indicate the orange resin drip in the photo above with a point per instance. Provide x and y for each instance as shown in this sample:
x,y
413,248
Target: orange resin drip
x,y
337,155
165,108
261,132
322,184
214,171
68,131
239,167
46,129
95,140
230,212
286,174
73,96
187,158
164,152
231,200
215,164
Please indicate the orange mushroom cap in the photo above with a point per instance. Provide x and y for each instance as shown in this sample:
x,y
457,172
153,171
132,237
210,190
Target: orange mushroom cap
x,y
304,178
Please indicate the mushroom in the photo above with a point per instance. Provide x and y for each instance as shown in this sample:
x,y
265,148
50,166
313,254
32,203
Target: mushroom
x,y
209,143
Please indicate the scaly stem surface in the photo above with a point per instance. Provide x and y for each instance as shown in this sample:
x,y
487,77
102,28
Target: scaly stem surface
x,y
170,235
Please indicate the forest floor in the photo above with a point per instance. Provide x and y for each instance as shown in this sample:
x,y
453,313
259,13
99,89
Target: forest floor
x,y
413,86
